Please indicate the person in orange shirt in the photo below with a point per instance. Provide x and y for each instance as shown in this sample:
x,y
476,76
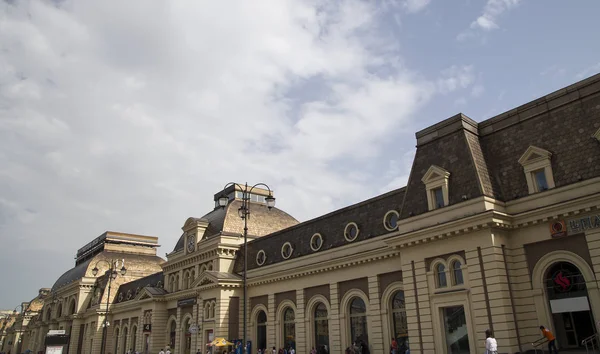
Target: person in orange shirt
x,y
551,340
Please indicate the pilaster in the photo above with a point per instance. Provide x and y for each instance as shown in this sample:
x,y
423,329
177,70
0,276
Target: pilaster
x,y
271,321
374,316
195,336
159,329
301,335
334,320
97,336
178,332
74,339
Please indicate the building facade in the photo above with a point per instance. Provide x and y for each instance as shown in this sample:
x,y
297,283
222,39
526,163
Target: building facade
x,y
497,228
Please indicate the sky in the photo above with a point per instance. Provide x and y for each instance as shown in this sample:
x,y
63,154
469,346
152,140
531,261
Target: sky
x,y
130,115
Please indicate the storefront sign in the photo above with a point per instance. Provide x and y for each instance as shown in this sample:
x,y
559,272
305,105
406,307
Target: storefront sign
x,y
194,329
147,328
186,302
54,349
584,223
560,228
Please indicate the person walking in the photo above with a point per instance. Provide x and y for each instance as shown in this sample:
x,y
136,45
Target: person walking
x,y
491,345
551,340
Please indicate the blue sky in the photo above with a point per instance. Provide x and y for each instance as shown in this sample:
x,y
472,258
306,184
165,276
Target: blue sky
x,y
130,116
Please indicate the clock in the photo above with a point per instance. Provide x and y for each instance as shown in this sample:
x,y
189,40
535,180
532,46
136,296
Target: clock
x,y
191,243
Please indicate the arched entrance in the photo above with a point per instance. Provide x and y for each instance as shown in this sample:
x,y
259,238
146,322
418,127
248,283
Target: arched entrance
x,y
569,304
186,336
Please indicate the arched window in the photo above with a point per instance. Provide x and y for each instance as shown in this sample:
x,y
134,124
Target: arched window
x,y
134,339
440,275
400,324
176,283
321,326
289,328
210,266
261,330
186,337
457,274
213,306
564,280
172,283
59,310
124,340
207,311
172,334
116,340
358,322
186,280
72,309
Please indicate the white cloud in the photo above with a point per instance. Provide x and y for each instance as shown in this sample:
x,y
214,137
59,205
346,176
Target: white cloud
x,y
488,20
589,71
413,6
455,78
477,90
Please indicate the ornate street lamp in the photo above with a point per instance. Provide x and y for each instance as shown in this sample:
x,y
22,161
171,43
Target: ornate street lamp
x,y
244,213
112,274
20,331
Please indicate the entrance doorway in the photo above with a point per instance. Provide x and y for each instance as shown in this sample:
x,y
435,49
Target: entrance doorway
x,y
569,303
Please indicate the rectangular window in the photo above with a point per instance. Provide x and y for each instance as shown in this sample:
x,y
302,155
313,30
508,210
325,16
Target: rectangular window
x,y
438,197
455,330
541,184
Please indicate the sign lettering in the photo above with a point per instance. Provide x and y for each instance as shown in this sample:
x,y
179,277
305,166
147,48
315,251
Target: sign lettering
x,y
584,223
186,302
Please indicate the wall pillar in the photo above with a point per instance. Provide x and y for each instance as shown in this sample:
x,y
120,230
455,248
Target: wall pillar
x,y
159,329
374,316
271,321
195,321
178,331
74,340
334,320
301,337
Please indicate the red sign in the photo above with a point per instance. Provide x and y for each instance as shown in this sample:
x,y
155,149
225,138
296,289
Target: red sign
x,y
562,281
558,229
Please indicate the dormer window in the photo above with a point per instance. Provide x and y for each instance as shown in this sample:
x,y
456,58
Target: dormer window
x,y
438,198
436,184
538,169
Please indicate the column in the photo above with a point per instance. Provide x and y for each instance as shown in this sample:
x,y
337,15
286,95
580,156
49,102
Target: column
x,y
499,300
159,328
75,332
177,349
97,337
271,321
374,316
139,345
301,337
200,338
195,336
129,337
334,320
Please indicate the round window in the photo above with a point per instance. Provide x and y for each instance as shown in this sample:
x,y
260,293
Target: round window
x,y
316,242
351,232
287,250
261,257
120,297
129,295
390,220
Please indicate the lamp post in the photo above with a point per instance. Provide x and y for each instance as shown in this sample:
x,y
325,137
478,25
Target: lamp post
x,y
112,274
19,332
244,213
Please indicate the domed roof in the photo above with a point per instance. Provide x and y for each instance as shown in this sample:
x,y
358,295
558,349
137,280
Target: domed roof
x,y
262,221
85,268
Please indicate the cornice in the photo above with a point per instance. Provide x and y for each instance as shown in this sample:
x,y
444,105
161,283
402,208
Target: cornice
x,y
323,267
189,260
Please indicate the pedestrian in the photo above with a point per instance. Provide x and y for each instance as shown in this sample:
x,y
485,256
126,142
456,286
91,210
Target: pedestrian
x,y
491,346
394,346
551,340
161,352
313,351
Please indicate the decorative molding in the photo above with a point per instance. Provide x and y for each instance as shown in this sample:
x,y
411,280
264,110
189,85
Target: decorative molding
x,y
436,177
535,159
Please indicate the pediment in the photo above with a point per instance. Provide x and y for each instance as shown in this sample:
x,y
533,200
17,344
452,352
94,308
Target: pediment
x,y
204,279
194,223
435,173
534,154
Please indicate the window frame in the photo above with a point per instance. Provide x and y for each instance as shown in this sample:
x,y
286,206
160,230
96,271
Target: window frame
x,y
291,250
346,233
312,238
436,177
534,160
386,223
264,258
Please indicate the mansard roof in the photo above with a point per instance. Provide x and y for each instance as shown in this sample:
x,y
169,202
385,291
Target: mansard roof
x,y
129,291
481,159
368,216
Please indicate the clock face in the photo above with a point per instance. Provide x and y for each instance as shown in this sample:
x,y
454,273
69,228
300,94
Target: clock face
x,y
191,243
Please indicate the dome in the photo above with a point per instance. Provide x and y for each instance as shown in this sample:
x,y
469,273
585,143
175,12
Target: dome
x,y
226,220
